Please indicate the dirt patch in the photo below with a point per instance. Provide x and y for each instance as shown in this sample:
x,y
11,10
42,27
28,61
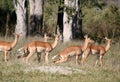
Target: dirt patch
x,y
56,69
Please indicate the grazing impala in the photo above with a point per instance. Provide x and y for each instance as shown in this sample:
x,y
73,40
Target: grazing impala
x,y
98,50
8,46
39,46
73,50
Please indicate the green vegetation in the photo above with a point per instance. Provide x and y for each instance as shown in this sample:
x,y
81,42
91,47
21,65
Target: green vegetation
x,y
100,18
15,69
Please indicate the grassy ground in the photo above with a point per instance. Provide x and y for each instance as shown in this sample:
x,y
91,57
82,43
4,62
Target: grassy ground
x,y
14,69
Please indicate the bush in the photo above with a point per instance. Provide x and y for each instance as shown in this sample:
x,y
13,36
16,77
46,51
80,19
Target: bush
x,y
100,23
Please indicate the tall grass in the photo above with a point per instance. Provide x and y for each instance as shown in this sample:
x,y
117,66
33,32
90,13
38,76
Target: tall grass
x,y
14,69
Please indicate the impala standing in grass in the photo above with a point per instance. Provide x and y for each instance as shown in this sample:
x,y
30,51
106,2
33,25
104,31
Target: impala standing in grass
x,y
38,46
8,46
98,50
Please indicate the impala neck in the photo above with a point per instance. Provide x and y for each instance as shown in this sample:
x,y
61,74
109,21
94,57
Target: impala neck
x,y
54,44
85,45
107,47
45,38
13,44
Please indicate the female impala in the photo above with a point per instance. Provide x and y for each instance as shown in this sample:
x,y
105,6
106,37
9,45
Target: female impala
x,y
98,50
8,46
73,50
39,46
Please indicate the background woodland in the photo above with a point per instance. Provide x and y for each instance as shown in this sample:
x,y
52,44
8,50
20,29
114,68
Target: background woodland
x,y
98,18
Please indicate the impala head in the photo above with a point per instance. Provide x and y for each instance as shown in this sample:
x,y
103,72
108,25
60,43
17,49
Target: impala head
x,y
57,37
17,35
88,40
108,40
46,37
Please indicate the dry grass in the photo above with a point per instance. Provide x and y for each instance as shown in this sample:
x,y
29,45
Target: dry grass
x,y
14,69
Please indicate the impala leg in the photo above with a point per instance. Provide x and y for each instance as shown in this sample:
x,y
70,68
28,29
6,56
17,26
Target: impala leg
x,y
24,55
5,56
24,58
39,57
63,59
101,60
46,57
96,63
29,55
86,54
77,59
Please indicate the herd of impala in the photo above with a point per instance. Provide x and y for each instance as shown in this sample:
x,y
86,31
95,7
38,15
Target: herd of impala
x,y
33,47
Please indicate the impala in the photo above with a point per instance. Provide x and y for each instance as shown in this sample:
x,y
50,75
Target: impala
x,y
73,50
8,46
98,50
24,51
39,46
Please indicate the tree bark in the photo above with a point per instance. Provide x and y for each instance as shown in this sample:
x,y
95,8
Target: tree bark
x,y
20,9
77,22
72,25
59,27
36,16
67,23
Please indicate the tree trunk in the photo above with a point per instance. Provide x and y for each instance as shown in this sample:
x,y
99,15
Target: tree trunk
x,y
36,16
67,30
67,23
72,25
77,22
59,27
21,17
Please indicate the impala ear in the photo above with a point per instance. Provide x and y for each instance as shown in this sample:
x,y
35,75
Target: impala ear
x,y
105,38
86,36
45,35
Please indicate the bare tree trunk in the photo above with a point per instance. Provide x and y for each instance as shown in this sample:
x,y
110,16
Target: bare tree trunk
x,y
36,16
67,30
20,8
59,27
67,23
72,25
77,21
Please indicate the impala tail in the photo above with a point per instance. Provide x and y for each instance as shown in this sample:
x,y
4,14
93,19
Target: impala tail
x,y
21,53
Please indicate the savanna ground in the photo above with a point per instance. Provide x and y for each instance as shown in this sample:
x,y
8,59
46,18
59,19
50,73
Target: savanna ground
x,y
15,70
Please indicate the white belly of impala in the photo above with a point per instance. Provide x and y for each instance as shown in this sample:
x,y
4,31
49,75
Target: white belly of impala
x,y
1,48
71,53
40,49
94,51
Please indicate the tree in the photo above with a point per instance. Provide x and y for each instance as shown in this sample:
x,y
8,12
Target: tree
x,y
20,9
36,16
69,20
77,21
59,27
